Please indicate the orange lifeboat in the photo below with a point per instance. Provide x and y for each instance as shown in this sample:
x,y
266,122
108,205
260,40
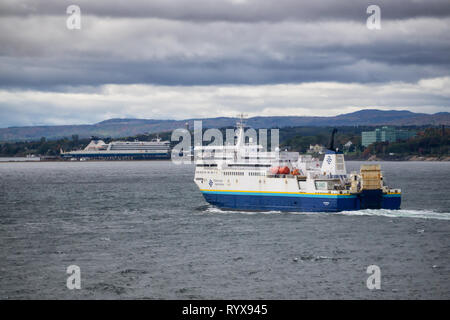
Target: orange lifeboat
x,y
295,172
284,170
274,170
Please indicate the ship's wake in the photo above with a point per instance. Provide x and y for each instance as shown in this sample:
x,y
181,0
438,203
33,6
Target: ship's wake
x,y
403,213
215,210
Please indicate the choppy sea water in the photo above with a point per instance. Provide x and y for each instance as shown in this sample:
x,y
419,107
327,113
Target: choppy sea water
x,y
141,230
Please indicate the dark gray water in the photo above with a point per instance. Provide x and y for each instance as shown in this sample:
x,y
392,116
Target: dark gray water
x,y
142,230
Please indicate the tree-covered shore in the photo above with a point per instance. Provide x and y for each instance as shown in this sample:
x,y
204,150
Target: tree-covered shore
x,y
430,143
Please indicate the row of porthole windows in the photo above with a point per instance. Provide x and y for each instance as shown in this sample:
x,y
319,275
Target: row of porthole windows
x,y
256,174
207,172
233,173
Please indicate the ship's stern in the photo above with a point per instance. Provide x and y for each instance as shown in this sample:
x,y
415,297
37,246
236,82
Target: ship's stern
x,y
374,194
392,200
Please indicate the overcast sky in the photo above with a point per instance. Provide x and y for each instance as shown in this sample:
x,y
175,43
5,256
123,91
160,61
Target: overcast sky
x,y
175,59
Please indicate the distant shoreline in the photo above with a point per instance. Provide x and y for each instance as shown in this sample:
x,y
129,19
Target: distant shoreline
x,y
399,159
371,159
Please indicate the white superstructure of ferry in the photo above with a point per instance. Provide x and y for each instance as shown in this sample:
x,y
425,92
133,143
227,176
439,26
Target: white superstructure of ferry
x,y
246,177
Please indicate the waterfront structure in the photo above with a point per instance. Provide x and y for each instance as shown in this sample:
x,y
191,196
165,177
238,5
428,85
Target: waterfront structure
x,y
317,148
385,134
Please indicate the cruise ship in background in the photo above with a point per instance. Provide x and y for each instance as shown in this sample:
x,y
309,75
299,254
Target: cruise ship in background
x,y
122,150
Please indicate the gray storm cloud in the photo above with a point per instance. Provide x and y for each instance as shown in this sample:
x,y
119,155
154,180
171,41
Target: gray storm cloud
x,y
94,104
218,44
124,50
233,10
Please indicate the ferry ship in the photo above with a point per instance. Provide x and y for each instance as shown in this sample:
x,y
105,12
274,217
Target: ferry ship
x,y
122,150
246,177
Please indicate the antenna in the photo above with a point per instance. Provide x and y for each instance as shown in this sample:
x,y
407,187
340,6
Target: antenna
x,y
242,117
240,125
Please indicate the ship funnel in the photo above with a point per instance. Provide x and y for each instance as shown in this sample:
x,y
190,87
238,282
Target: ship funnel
x,y
331,144
333,162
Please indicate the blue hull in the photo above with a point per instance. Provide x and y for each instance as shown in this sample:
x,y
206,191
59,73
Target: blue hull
x,y
302,202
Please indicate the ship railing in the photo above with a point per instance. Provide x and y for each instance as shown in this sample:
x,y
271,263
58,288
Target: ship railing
x,y
287,176
331,191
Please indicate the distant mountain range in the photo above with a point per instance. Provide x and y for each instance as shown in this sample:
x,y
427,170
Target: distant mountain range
x,y
129,127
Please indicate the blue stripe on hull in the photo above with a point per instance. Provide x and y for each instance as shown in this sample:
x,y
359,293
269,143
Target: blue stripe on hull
x,y
288,202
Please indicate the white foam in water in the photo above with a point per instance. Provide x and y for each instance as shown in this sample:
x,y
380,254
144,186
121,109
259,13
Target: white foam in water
x,y
212,209
423,214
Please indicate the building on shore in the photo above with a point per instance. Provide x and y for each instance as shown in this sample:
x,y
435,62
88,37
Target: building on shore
x,y
317,148
385,134
348,145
